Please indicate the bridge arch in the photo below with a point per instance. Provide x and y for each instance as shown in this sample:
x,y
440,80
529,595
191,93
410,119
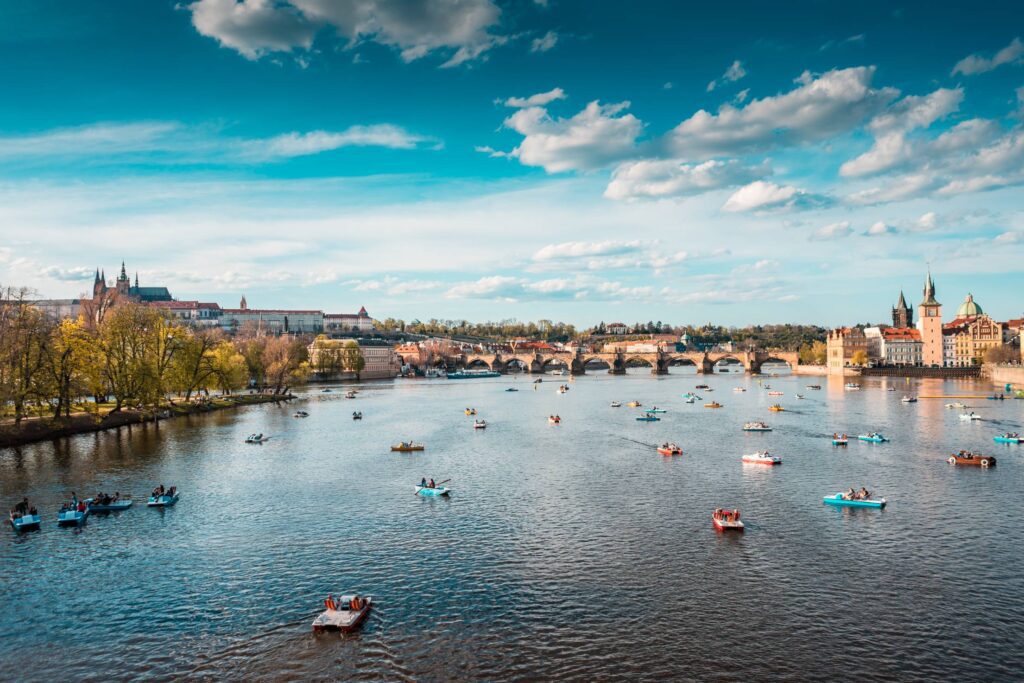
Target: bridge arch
x,y
516,365
477,363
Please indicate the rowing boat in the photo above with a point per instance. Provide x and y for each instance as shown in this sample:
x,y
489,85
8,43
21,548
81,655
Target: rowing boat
x,y
839,501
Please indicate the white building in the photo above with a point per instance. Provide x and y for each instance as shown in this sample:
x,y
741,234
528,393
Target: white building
x,y
348,322
199,313
272,321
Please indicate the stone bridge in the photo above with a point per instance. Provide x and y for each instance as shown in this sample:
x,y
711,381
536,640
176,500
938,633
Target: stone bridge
x,y
618,360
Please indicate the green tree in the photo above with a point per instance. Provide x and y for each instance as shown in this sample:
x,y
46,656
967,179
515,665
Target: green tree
x,y
353,359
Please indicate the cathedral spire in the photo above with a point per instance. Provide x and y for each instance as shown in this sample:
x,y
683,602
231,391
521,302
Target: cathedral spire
x,y
124,275
902,303
136,279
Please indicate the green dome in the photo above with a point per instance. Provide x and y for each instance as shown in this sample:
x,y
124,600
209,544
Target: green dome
x,y
969,309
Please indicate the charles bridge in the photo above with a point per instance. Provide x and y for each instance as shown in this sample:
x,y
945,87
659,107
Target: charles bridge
x,y
617,360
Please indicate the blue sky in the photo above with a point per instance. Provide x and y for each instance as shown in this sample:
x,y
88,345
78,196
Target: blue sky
x,y
479,159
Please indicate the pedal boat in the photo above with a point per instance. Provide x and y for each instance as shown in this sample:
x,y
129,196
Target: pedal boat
x,y
872,438
756,427
727,520
670,450
838,501
437,491
407,447
840,442
762,458
554,420
72,517
480,424
163,501
25,522
713,404
1007,439
648,418
340,617
776,408
113,506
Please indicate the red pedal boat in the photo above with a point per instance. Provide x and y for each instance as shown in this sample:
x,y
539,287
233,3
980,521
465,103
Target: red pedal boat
x,y
726,520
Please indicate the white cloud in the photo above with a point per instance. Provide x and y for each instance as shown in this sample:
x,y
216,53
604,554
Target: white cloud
x,y
72,274
314,142
761,195
494,286
833,231
976,64
880,229
668,86
741,96
579,249
1010,238
416,28
734,73
538,100
94,139
819,108
669,178
926,223
596,137
545,42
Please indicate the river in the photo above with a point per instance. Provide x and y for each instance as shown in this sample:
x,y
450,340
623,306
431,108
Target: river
x,y
570,552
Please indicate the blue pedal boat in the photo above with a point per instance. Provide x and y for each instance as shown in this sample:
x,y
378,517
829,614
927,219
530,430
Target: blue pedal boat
x,y
651,411
839,501
1007,439
72,517
113,506
872,438
648,418
436,491
164,501
26,522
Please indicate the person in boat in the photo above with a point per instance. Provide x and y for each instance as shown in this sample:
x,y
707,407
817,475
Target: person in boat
x,y
173,490
22,507
74,499
864,494
431,484
849,495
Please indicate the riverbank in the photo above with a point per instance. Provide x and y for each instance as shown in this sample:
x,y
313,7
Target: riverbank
x,y
1001,375
44,429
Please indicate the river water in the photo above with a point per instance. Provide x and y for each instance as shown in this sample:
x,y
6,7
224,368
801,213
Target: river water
x,y
571,552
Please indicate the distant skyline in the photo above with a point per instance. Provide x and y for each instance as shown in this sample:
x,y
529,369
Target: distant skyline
x,y
551,159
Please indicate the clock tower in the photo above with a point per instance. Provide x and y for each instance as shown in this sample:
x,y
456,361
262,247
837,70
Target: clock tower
x,y
929,322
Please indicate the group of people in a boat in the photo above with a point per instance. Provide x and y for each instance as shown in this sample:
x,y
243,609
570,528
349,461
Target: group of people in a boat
x,y
106,498
967,455
555,418
670,446
255,437
727,515
354,604
160,491
1014,435
22,509
839,436
863,494
73,505
428,484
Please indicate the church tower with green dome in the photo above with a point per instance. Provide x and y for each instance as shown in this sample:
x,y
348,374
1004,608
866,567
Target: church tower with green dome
x,y
969,308
929,314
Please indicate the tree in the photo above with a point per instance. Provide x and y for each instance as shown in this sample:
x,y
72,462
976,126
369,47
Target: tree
x,y
194,364
127,364
71,364
859,357
24,340
353,359
1001,354
814,353
285,362
230,370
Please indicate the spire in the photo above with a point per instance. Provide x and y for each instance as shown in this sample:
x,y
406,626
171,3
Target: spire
x,y
124,275
103,275
902,303
136,279
929,290
96,281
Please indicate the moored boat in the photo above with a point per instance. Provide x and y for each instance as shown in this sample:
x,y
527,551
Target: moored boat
x,y
344,614
873,437
840,500
511,389
971,459
726,520
407,447
851,386
473,374
756,426
1008,438
762,458
670,449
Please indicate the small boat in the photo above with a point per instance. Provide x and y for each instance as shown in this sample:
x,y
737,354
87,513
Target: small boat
x,y
538,380
409,447
701,386
971,459
300,413
511,389
562,389
713,404
648,418
340,615
968,417
256,438
756,426
800,396
872,437
775,393
164,501
956,405
670,449
776,408
111,506
350,394
357,415
72,516
479,424
470,411
891,389
726,520
691,399
762,458
840,441
25,522
634,404
1000,397
554,419
815,387
616,404
688,395
325,391
430,491
909,399
1008,438
655,409
840,500
558,373
851,386
473,374
738,389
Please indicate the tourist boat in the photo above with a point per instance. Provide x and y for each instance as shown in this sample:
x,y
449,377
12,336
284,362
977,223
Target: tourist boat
x,y
634,404
776,408
726,520
25,522
357,415
713,404
851,386
816,387
409,447
72,517
840,441
470,411
300,413
164,501
775,393
967,417
112,506
256,438
670,449
702,386
873,437
800,396
435,491
909,399
840,500
554,420
655,409
434,373
616,404
972,459
1008,438
339,615
473,374
956,405
756,426
762,458
648,418
479,424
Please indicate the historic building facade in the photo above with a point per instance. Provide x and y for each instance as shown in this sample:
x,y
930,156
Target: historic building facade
x,y
929,323
842,345
902,314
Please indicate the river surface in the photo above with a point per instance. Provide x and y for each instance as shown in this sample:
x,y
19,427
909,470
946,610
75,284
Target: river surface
x,y
569,552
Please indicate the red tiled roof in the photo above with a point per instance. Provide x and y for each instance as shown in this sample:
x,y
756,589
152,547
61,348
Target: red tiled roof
x,y
256,311
901,334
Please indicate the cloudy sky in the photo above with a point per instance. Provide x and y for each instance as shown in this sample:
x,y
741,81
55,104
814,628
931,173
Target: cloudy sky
x,y
483,159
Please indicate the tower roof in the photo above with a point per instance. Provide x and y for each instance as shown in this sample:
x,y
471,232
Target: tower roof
x,y
969,308
902,303
929,291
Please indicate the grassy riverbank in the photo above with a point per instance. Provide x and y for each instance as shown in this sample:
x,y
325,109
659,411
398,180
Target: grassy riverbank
x,y
104,417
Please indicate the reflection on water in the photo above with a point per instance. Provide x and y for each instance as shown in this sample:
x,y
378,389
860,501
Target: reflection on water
x,y
571,551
